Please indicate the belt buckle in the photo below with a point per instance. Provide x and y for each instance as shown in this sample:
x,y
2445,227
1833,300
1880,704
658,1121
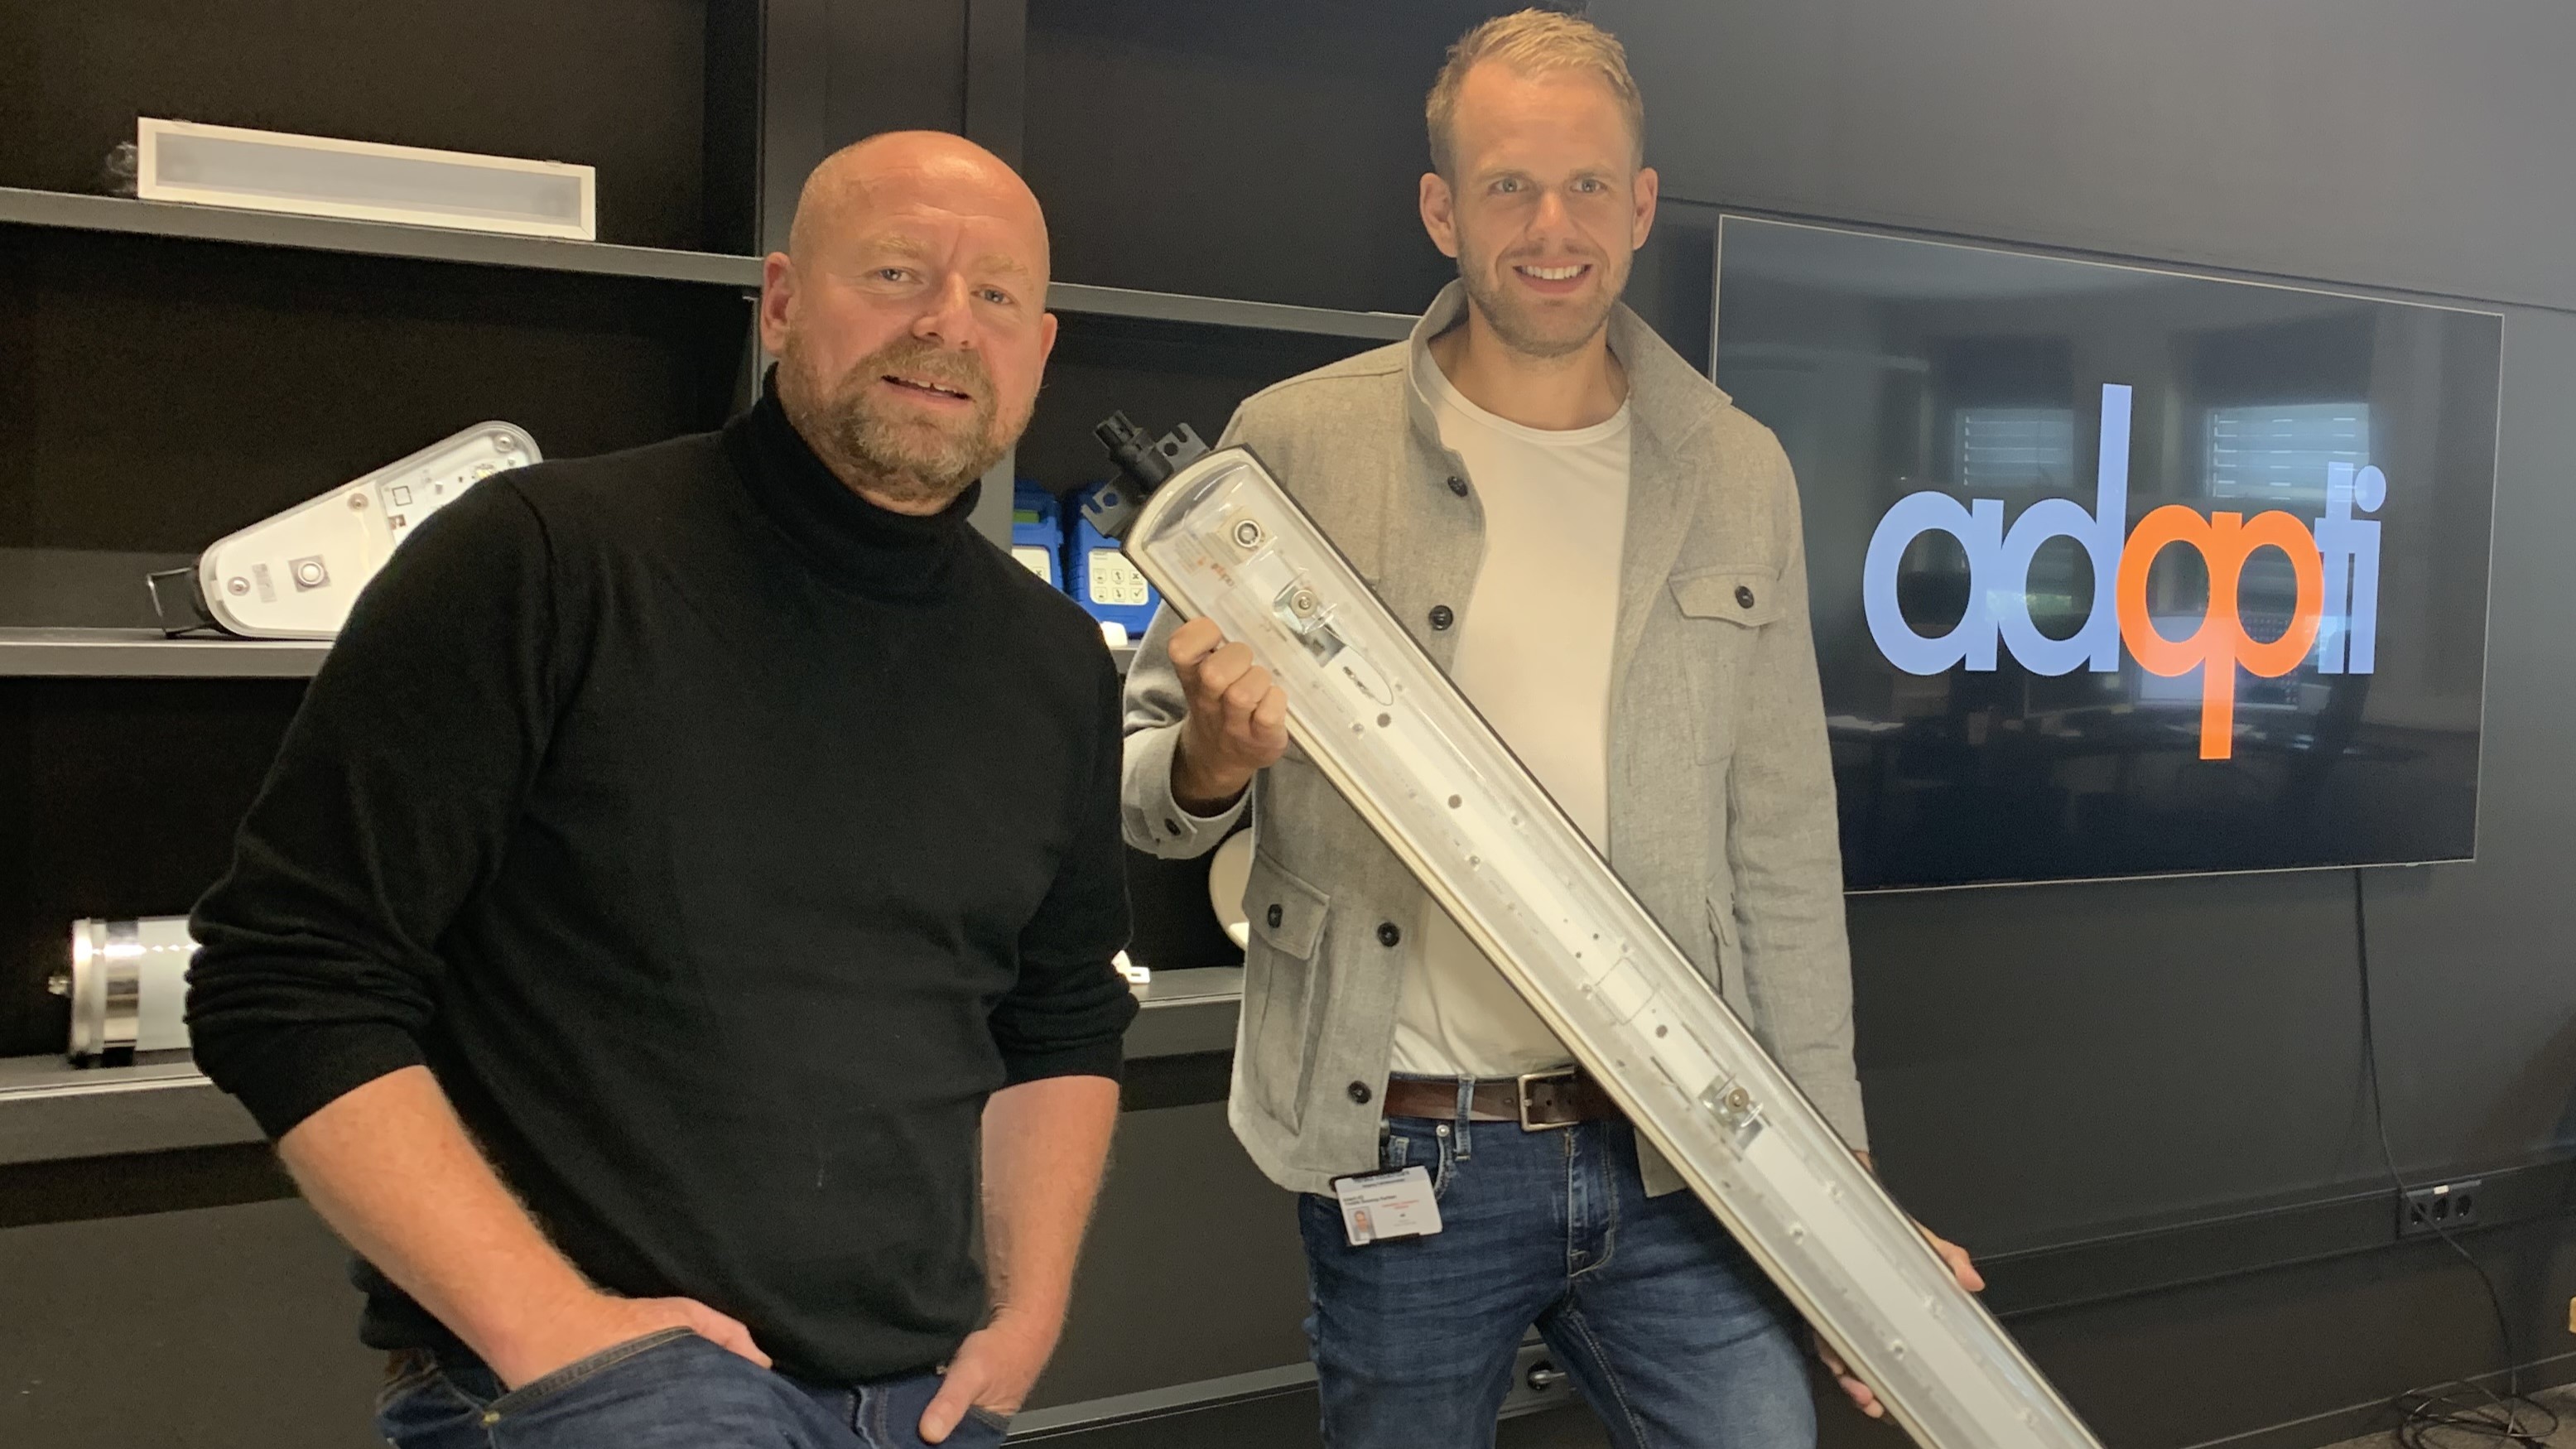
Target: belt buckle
x,y
1562,1074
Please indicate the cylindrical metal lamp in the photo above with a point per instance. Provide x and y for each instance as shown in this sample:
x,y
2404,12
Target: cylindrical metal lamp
x,y
128,986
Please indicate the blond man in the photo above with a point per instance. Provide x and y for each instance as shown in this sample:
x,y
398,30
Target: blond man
x,y
1605,556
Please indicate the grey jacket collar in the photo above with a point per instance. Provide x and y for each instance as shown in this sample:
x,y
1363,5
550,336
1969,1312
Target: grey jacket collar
x,y
1670,404
1668,398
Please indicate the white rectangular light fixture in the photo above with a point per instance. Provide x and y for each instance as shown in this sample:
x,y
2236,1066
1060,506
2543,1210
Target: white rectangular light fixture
x,y
362,180
1224,541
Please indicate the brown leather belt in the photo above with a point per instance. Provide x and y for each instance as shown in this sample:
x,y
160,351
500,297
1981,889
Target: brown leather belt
x,y
1537,1101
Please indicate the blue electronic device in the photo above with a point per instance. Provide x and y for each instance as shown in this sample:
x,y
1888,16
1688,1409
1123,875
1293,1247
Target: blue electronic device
x,y
1037,531
1098,576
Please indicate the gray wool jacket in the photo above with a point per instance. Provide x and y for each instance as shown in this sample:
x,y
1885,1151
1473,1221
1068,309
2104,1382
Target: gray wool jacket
x,y
1721,793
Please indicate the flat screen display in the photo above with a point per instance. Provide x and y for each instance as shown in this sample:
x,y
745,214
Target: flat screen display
x,y
2121,571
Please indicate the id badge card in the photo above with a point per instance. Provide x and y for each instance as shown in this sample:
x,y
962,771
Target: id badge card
x,y
1380,1206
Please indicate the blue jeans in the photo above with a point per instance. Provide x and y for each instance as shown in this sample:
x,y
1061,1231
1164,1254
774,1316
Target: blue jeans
x,y
670,1390
1673,1335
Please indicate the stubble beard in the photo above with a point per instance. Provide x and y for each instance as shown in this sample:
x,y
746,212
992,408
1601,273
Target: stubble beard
x,y
912,462
1518,328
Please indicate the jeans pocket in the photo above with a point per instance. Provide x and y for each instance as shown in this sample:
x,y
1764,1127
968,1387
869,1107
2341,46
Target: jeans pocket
x,y
581,1370
1425,1145
429,1411
405,1370
895,1409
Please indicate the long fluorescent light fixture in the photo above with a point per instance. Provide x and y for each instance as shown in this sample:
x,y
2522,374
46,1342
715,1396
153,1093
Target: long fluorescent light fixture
x,y
1224,541
362,180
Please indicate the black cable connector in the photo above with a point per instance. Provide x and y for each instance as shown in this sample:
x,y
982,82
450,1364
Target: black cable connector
x,y
1146,463
1149,463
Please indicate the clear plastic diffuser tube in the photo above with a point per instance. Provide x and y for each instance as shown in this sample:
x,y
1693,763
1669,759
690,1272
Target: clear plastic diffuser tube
x,y
1223,541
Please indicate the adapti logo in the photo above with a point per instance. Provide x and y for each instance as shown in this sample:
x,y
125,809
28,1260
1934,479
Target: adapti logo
x,y
2334,559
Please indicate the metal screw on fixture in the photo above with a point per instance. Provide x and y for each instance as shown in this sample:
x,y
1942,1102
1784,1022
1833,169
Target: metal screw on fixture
x,y
1732,1104
357,503
59,984
1248,534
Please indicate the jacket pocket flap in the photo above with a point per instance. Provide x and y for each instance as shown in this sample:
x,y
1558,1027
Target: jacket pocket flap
x,y
1750,597
1286,913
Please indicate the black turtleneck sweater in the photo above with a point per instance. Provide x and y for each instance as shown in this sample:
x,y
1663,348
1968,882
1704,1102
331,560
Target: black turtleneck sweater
x,y
720,840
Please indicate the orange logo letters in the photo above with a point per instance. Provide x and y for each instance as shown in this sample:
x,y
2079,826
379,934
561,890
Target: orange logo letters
x,y
2225,541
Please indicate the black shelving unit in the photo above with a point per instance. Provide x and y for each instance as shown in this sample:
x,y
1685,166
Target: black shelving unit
x,y
171,373
149,654
1186,330
21,207
195,368
1173,356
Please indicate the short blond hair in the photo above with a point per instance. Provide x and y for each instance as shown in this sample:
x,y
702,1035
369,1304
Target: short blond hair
x,y
1531,42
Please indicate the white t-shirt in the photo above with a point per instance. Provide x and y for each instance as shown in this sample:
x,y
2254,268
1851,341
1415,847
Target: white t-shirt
x,y
1534,658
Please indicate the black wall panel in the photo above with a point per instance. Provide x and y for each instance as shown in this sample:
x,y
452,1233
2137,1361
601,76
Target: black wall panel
x,y
2376,141
896,65
1262,151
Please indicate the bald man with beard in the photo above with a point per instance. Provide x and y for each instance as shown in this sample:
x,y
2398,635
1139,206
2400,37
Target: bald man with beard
x,y
694,871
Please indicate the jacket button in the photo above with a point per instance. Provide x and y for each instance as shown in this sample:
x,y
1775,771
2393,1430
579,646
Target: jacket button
x,y
1387,934
1360,1093
1744,596
1457,485
1441,618
1273,918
